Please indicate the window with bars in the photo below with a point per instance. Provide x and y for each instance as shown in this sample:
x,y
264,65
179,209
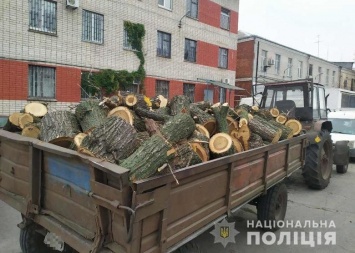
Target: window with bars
x,y
223,58
162,88
41,82
192,8
43,16
225,18
164,44
189,91
277,63
289,67
300,69
93,27
165,3
263,60
190,50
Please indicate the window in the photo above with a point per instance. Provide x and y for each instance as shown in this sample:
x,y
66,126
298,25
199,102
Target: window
x,y
319,74
41,83
87,87
93,27
190,50
192,8
165,3
352,85
162,88
189,91
299,70
223,58
277,63
225,18
327,77
43,16
164,44
126,42
310,70
263,60
289,67
333,78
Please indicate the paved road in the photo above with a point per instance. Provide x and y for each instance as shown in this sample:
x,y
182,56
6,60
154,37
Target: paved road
x,y
337,203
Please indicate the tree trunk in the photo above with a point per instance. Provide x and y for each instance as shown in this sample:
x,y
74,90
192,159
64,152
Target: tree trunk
x,y
274,112
36,109
185,156
267,131
244,116
295,125
144,113
200,144
287,132
203,105
220,113
282,118
180,104
90,114
151,126
178,128
238,146
243,135
59,128
221,144
151,155
113,102
255,141
265,114
163,111
12,124
204,119
112,141
31,130
78,139
232,124
25,119
203,130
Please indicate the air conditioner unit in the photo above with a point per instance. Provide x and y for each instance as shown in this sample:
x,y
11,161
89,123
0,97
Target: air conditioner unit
x,y
73,4
271,62
226,80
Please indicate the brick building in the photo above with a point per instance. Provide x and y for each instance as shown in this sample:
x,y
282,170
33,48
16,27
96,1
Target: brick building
x,y
260,60
189,48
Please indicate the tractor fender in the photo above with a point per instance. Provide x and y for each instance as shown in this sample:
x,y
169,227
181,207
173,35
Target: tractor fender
x,y
313,137
322,125
341,153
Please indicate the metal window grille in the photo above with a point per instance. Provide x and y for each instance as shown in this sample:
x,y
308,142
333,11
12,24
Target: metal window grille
x,y
192,8
277,63
164,44
223,58
41,82
189,91
43,16
310,70
263,60
190,50
289,67
93,27
162,88
225,19
165,3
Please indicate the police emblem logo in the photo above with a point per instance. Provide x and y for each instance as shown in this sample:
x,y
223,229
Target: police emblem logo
x,y
224,233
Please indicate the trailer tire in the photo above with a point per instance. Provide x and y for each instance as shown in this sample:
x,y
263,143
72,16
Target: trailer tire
x,y
271,207
31,241
342,169
319,160
190,247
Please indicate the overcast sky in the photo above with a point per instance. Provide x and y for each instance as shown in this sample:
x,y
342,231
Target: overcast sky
x,y
297,23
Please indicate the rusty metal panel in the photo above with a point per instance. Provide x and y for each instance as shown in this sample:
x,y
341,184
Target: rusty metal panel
x,y
276,161
119,230
149,241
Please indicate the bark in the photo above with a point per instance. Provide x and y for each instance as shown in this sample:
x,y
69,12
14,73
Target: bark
x,y
232,124
203,141
287,132
112,102
180,127
243,116
233,114
267,131
144,113
152,126
138,122
163,111
180,104
61,125
185,156
203,118
203,105
244,107
220,113
12,124
265,114
90,114
238,146
112,141
255,141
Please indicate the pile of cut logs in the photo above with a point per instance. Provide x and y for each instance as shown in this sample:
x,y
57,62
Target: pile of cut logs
x,y
154,136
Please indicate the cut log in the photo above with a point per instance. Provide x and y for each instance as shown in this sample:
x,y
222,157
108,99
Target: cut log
x,y
90,114
265,114
282,118
163,111
142,137
274,112
295,125
243,107
122,112
238,147
185,156
255,141
163,102
36,109
221,144
59,128
287,132
151,126
12,124
233,114
243,133
220,113
78,139
203,141
203,105
144,113
254,108
201,151
150,156
112,102
112,141
178,128
203,130
232,124
25,119
267,131
203,118
31,130
244,116
180,104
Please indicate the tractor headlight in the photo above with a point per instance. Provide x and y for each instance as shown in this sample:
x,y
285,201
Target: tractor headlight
x,y
351,144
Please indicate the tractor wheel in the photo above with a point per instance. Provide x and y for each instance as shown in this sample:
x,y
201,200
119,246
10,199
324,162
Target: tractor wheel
x,y
271,207
342,168
190,247
319,160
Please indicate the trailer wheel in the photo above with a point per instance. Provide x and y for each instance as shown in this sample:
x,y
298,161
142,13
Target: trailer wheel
x,y
31,241
342,168
319,160
190,247
271,207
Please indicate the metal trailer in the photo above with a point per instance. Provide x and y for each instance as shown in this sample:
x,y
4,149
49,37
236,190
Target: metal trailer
x,y
92,206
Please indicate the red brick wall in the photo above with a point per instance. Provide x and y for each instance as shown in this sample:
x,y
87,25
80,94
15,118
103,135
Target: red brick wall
x,y
210,13
245,59
13,80
68,81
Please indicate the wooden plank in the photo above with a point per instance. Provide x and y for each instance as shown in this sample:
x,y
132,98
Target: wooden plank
x,y
14,185
17,170
16,153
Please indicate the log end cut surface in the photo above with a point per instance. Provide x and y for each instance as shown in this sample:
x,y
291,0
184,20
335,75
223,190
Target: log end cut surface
x,y
220,143
36,109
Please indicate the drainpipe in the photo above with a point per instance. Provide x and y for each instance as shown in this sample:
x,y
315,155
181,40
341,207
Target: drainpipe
x,y
256,73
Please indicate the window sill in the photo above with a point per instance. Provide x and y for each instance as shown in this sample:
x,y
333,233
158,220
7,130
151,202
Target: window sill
x,y
190,61
163,7
93,42
223,68
42,99
43,32
192,18
130,49
162,56
225,29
